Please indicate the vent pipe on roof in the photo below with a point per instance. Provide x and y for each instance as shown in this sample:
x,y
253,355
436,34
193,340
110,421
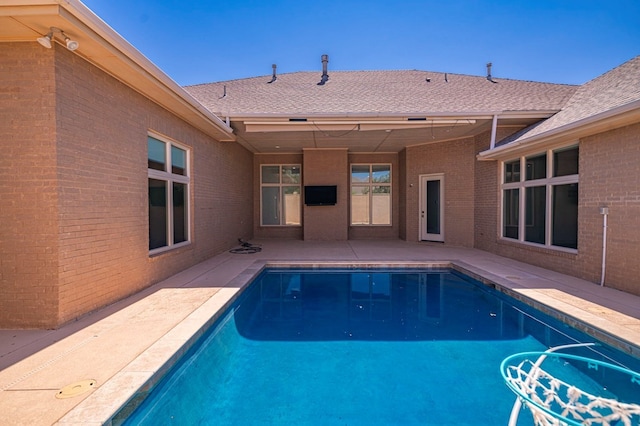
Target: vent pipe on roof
x,y
325,76
489,73
274,77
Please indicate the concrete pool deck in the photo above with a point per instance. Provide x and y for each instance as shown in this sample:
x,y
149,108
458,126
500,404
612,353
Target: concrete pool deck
x,y
106,357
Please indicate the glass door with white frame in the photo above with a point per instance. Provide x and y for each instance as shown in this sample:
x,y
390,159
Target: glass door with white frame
x,y
432,207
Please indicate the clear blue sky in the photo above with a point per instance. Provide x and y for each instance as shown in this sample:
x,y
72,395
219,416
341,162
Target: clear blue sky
x,y
201,41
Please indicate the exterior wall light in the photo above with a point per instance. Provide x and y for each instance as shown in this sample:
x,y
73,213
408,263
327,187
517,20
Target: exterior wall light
x,y
47,39
71,44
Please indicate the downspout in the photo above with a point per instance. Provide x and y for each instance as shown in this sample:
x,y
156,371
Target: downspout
x,y
494,129
604,211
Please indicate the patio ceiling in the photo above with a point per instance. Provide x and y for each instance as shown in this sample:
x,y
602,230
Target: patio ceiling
x,y
363,134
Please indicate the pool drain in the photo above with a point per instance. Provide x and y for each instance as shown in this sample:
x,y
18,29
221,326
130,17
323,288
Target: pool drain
x,y
75,389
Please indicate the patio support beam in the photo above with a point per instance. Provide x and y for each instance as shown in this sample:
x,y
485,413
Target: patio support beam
x,y
494,129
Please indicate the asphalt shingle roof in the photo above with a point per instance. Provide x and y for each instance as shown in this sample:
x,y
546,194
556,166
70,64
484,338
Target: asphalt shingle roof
x,y
378,92
615,88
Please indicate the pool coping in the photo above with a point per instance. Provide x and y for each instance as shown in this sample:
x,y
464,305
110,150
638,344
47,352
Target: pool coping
x,y
113,400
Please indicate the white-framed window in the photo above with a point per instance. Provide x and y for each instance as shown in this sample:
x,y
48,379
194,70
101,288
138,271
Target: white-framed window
x,y
371,194
540,198
169,182
280,199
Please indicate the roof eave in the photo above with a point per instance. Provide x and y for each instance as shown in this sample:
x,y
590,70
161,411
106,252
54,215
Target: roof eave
x,y
106,49
612,119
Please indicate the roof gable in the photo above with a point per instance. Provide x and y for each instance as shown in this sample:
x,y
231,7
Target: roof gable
x,y
613,90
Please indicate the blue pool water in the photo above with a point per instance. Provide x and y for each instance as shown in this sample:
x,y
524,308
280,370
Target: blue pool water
x,y
357,347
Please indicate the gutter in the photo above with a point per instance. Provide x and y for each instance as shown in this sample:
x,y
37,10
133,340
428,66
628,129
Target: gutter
x,y
607,120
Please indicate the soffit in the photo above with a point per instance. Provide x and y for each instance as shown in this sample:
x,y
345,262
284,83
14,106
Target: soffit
x,y
389,135
25,21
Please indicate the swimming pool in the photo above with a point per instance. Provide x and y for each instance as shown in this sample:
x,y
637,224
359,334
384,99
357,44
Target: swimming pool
x,y
371,346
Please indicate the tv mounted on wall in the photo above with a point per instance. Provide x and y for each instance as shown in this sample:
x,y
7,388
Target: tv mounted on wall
x,y
320,195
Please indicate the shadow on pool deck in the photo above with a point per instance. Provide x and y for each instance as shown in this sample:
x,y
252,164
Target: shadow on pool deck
x,y
123,345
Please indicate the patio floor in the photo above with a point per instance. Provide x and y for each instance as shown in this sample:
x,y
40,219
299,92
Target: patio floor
x,y
122,346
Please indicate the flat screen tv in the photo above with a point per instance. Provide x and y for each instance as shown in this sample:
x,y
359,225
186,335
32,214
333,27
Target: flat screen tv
x,y
320,195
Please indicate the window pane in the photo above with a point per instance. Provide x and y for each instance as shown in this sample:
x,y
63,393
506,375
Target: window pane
x,y
290,174
270,205
512,171
156,154
537,167
360,174
536,203
433,206
178,161
180,213
381,173
511,213
360,205
157,213
381,205
565,216
292,204
270,174
565,162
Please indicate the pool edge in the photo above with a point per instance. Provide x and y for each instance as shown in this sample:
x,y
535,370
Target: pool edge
x,y
102,408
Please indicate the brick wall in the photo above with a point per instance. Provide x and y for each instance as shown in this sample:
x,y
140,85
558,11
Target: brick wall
x,y
486,208
326,167
402,194
98,160
609,176
456,160
28,187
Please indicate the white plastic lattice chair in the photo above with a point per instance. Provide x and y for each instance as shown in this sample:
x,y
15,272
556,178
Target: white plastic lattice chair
x,y
567,391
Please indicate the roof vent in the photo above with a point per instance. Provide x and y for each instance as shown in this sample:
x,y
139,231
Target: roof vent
x,y
489,73
274,77
325,76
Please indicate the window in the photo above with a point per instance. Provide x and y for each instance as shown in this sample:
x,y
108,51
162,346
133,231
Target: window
x,y
370,194
547,194
280,198
168,194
